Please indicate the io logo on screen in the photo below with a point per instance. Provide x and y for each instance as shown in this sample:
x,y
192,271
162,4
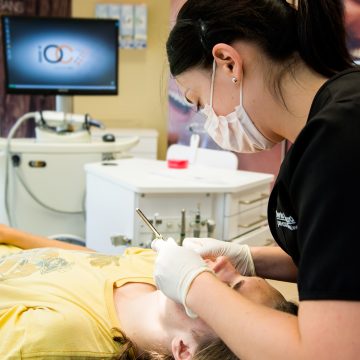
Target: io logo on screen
x,y
60,54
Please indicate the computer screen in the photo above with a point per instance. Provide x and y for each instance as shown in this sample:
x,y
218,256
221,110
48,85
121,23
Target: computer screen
x,y
61,56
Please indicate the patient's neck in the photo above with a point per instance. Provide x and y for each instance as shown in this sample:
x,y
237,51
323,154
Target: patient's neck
x,y
139,308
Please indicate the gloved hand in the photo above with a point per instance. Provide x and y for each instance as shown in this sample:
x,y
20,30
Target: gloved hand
x,y
175,270
239,255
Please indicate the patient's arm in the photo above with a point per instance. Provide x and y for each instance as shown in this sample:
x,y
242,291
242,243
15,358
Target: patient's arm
x,y
25,240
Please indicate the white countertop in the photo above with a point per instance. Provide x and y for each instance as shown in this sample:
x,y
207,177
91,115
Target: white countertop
x,y
153,176
31,145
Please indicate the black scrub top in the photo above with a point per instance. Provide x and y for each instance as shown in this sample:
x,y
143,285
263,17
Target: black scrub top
x,y
314,208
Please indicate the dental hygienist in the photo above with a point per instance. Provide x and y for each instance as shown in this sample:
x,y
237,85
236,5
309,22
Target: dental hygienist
x,y
288,75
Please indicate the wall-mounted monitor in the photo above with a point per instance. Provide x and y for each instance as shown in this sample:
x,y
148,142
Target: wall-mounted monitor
x,y
60,56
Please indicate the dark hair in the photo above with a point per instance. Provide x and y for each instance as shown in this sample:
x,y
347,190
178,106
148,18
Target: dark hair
x,y
315,32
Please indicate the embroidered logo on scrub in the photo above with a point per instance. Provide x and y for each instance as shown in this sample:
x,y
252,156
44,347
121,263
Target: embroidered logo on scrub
x,y
285,221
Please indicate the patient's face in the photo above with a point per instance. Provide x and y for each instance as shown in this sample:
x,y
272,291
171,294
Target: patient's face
x,y
252,287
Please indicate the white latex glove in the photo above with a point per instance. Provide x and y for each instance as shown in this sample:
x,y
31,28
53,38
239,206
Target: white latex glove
x,y
175,270
239,255
156,244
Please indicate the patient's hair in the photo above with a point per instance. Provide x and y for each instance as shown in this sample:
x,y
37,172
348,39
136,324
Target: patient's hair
x,y
210,349
287,307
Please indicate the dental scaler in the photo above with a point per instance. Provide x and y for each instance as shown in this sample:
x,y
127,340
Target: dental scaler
x,y
149,224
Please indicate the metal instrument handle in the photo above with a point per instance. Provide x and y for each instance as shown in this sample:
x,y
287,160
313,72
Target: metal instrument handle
x,y
148,223
246,226
182,226
248,202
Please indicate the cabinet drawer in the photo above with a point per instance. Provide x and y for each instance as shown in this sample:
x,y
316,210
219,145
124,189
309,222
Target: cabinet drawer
x,y
245,222
244,201
258,237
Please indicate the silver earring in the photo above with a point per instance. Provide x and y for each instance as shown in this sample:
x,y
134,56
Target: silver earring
x,y
234,80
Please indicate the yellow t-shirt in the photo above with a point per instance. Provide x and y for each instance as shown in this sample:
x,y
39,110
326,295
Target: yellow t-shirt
x,y
59,303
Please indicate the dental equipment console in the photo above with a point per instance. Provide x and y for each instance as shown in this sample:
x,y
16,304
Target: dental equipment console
x,y
197,226
197,201
34,168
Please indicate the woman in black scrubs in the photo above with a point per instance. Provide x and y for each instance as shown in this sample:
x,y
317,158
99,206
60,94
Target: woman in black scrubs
x,y
263,71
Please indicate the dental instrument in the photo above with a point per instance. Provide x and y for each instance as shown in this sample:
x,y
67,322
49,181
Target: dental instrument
x,y
149,224
197,225
210,225
182,227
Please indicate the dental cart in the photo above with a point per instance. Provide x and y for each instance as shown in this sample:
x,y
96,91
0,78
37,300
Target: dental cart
x,y
233,202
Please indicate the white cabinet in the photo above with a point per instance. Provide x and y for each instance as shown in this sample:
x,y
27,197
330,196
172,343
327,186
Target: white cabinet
x,y
235,200
245,210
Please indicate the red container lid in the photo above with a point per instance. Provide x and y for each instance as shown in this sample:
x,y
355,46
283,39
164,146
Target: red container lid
x,y
177,164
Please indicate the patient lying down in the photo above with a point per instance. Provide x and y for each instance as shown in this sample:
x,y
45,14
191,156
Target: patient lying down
x,y
61,300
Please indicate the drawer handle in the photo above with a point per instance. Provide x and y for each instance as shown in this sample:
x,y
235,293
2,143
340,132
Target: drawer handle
x,y
246,226
248,202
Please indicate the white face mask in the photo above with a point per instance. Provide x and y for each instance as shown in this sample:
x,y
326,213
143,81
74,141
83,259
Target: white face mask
x,y
234,132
